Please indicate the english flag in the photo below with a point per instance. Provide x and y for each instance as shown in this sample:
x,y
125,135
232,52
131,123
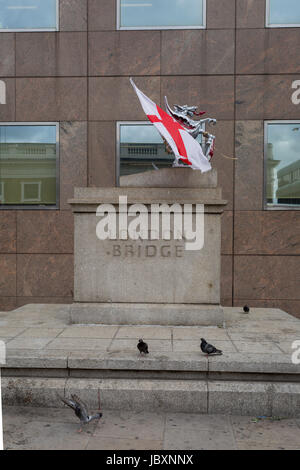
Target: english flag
x,y
184,146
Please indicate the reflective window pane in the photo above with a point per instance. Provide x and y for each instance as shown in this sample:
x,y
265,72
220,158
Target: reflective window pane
x,y
28,14
284,12
28,165
283,164
141,146
161,13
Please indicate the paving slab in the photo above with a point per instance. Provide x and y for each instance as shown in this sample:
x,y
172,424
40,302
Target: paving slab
x,y
28,343
131,425
286,346
10,332
194,333
58,309
79,343
191,437
257,313
193,346
145,332
268,327
154,345
46,436
265,433
262,335
192,422
56,428
256,347
48,415
109,443
257,445
40,332
95,331
5,339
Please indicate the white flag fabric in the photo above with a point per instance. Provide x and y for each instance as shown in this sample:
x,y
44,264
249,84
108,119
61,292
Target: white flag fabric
x,y
184,146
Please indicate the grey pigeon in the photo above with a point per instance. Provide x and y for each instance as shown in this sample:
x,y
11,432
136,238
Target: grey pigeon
x,y
81,410
209,348
142,347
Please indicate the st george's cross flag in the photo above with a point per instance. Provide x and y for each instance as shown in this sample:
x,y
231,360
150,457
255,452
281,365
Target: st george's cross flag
x,y
184,146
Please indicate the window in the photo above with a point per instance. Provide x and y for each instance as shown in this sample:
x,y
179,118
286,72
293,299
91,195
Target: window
x,y
161,14
31,191
283,13
282,164
29,165
139,146
28,15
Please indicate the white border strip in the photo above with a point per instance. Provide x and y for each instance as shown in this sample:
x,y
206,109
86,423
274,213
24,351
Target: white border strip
x,y
2,361
1,420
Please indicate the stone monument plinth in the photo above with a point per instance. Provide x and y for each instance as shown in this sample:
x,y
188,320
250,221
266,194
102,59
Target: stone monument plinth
x,y
149,281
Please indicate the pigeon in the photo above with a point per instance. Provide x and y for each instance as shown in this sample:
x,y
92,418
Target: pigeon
x,y
142,347
209,349
246,309
81,410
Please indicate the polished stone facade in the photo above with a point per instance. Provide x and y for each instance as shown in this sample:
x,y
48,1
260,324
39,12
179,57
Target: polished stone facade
x,y
237,70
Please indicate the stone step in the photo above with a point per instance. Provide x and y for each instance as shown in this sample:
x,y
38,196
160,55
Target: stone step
x,y
160,365
188,396
255,375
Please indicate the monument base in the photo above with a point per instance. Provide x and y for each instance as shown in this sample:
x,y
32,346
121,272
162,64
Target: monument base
x,y
147,314
123,279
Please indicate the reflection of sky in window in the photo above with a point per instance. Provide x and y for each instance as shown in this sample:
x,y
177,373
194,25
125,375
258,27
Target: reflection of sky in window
x,y
27,134
286,143
140,134
161,13
27,14
285,11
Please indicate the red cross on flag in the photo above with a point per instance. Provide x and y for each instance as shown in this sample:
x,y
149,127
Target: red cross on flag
x,y
184,146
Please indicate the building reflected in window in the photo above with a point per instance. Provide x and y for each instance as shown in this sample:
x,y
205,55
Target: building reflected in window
x,y
28,165
283,164
141,147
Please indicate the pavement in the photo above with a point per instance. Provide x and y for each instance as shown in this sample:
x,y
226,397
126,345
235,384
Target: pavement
x,y
57,429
